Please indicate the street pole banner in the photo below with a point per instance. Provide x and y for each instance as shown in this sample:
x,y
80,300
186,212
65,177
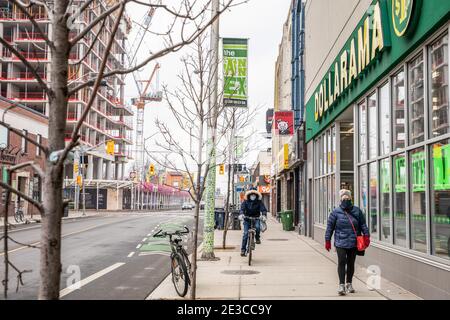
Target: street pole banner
x,y
235,78
239,148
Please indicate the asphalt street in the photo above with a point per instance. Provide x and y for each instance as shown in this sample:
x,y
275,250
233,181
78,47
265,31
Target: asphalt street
x,y
112,257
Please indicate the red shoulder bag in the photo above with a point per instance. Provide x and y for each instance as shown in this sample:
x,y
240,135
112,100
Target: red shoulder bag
x,y
360,245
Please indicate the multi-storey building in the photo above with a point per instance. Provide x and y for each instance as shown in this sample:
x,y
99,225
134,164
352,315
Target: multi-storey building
x,y
109,118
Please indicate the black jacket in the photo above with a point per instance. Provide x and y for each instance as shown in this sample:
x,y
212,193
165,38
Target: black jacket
x,y
254,208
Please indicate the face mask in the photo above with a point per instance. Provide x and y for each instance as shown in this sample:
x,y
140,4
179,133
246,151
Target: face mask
x,y
346,204
253,197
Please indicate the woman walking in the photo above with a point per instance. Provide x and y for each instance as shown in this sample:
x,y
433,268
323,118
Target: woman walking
x,y
346,222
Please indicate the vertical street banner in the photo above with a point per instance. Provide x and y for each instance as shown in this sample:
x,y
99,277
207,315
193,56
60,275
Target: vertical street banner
x,y
235,72
239,147
284,123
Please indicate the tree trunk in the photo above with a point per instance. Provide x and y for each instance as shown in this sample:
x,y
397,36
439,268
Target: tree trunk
x,y
50,268
194,253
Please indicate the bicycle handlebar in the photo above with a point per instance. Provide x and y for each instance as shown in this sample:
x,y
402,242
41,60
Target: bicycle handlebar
x,y
161,234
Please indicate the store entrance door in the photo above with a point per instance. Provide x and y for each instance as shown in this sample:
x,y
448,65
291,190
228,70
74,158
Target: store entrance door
x,y
346,160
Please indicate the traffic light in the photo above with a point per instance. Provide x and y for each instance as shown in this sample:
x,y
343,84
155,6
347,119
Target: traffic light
x,y
241,178
222,169
151,170
75,168
79,180
110,147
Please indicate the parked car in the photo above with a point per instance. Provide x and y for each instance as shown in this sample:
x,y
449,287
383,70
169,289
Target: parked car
x,y
187,206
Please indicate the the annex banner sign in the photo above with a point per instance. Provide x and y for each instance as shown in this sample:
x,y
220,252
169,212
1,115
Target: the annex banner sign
x,y
235,72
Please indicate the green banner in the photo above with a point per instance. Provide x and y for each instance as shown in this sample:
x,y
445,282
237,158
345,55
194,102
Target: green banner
x,y
235,72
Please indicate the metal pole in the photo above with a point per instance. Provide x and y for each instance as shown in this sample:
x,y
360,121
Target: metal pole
x,y
82,183
97,196
208,229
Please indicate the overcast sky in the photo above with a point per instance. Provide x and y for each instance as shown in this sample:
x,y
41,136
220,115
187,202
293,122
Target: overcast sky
x,y
259,20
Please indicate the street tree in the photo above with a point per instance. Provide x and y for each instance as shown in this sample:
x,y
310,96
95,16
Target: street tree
x,y
187,24
191,112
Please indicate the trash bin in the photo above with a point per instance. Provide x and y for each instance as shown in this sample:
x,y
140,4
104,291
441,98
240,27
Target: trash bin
x,y
287,219
236,222
66,211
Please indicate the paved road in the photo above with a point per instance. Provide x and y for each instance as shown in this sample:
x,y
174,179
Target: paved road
x,y
115,257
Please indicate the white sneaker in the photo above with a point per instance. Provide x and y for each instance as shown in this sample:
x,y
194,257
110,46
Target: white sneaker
x,y
349,288
341,290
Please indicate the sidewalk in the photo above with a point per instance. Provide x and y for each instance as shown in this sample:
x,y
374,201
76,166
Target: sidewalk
x,y
285,266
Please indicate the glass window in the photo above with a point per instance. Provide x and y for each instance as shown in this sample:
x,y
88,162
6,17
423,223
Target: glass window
x,y
440,198
319,147
38,140
363,192
417,206
416,100
324,152
385,207
319,200
317,206
438,56
333,144
333,191
373,205
324,199
398,110
347,181
385,121
24,144
329,151
317,158
372,125
362,132
399,200
346,146
3,137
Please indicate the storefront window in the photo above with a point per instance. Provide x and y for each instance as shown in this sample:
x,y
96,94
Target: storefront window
x,y
438,55
416,101
325,162
362,132
418,200
320,148
372,125
398,110
333,191
440,198
373,199
333,147
324,199
363,192
385,207
399,200
328,151
346,146
385,121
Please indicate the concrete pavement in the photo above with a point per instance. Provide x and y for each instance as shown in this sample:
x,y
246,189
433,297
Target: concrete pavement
x,y
285,266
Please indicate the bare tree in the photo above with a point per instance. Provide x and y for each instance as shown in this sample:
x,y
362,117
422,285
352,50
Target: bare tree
x,y
190,109
188,23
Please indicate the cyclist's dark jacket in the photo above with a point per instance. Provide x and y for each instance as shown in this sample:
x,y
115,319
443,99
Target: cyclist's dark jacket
x,y
254,208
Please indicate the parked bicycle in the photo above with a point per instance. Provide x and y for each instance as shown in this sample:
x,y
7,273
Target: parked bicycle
x,y
18,214
180,264
251,237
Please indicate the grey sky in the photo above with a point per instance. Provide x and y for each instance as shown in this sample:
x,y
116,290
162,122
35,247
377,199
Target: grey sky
x,y
259,20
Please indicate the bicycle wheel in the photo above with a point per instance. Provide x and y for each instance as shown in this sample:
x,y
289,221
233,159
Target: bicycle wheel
x,y
250,247
180,275
187,263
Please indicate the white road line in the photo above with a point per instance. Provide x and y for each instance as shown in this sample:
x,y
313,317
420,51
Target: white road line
x,y
130,255
138,246
149,235
89,279
145,239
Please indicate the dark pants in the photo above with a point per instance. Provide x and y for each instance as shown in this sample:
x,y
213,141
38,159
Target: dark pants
x,y
245,236
346,258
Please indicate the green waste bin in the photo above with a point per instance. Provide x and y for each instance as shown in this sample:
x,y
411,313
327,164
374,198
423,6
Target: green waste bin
x,y
287,219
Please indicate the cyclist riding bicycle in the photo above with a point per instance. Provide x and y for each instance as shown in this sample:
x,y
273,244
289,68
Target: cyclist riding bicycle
x,y
252,206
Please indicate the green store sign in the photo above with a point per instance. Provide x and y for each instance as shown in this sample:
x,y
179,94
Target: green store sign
x,y
388,32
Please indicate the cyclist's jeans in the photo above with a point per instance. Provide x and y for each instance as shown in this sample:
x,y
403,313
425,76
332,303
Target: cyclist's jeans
x,y
245,236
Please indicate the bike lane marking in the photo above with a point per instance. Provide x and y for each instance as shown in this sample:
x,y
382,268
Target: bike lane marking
x,y
78,285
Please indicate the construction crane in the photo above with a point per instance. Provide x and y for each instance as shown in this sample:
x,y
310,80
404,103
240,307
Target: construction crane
x,y
140,103
144,95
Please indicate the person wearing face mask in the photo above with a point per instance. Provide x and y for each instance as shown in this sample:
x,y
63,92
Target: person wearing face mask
x,y
252,206
346,222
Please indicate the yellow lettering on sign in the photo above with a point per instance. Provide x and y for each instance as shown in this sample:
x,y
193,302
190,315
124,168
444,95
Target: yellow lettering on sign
x,y
316,106
330,95
400,10
325,99
321,101
337,90
344,77
363,46
377,33
352,70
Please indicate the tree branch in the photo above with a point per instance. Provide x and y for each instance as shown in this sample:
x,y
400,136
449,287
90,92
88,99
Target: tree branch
x,y
19,133
22,195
